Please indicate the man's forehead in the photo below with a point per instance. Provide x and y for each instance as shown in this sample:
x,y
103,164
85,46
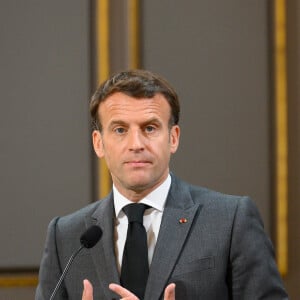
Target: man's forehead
x,y
123,101
121,95
121,108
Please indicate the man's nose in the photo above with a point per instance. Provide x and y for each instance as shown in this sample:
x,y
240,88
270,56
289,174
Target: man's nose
x,y
135,142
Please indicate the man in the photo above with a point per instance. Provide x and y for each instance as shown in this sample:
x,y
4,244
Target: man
x,y
201,244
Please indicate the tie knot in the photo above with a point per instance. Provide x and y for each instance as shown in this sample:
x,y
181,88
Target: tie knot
x,y
135,212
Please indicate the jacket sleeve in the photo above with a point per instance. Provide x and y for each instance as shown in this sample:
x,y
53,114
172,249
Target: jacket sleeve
x,y
253,270
50,268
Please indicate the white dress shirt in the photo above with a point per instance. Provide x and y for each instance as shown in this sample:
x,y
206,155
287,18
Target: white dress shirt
x,y
152,218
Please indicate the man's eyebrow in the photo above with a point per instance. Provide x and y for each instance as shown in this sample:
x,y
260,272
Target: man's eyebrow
x,y
145,123
117,122
151,121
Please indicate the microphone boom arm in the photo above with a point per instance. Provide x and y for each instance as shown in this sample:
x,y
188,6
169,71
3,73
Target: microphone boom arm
x,y
63,275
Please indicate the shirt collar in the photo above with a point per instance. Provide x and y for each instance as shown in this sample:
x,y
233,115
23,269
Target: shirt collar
x,y
155,199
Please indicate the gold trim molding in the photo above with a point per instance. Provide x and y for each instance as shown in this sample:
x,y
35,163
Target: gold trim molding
x,y
103,61
281,106
103,70
8,281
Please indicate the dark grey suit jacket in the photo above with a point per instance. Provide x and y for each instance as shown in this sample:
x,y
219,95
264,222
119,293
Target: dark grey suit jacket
x,y
221,252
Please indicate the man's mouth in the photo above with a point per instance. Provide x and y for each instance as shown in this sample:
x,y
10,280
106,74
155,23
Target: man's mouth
x,y
137,163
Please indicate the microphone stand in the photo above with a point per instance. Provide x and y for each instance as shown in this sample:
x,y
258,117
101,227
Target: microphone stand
x,y
63,275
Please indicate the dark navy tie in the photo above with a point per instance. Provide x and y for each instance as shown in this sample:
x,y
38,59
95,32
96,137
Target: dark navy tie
x,y
135,266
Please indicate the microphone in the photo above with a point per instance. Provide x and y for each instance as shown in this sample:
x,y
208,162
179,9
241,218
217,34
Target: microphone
x,y
88,240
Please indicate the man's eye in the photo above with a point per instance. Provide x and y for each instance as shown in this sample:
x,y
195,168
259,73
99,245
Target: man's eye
x,y
120,130
149,129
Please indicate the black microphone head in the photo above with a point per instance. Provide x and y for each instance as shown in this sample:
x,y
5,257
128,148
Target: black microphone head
x,y
91,236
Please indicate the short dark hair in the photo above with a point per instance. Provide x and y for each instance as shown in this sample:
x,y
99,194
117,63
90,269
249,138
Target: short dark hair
x,y
137,84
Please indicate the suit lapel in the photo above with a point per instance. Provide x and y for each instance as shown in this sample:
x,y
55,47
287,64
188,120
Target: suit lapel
x,y
178,216
103,253
171,239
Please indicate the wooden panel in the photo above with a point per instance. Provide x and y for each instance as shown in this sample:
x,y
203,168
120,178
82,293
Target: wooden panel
x,y
44,127
216,56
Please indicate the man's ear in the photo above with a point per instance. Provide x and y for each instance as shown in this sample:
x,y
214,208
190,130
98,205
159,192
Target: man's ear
x,y
174,138
97,143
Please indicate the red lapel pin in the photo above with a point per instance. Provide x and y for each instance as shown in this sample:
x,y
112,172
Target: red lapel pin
x,y
183,220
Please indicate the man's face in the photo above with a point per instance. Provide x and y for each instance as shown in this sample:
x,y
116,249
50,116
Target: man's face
x,y
136,142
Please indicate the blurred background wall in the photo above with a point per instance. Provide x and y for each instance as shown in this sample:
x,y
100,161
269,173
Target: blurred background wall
x,y
220,57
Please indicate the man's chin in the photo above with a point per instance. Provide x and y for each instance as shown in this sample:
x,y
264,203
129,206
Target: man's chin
x,y
139,185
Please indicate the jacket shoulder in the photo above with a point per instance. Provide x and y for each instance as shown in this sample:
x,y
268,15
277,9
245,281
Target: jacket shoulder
x,y
76,220
210,198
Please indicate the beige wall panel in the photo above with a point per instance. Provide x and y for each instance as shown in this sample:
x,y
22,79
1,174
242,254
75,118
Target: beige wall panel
x,y
216,54
44,128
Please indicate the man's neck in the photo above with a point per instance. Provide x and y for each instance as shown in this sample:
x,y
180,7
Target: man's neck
x,y
136,195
